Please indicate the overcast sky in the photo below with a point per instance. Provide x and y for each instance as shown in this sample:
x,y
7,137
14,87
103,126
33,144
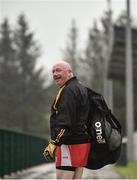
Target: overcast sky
x,y
50,20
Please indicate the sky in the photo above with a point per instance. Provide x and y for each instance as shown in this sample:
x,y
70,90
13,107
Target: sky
x,y
50,20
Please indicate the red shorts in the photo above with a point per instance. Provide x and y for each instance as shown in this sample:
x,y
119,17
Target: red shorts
x,y
72,155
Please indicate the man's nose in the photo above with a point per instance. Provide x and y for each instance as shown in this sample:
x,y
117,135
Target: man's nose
x,y
54,73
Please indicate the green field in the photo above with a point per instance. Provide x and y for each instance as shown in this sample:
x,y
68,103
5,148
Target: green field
x,y
129,171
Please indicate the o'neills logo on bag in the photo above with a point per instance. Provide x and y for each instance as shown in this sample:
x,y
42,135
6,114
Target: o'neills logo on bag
x,y
99,137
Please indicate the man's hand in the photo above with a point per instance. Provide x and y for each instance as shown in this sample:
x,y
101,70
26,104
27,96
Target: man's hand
x,y
49,151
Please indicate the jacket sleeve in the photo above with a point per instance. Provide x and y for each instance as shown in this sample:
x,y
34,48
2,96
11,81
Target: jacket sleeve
x,y
65,114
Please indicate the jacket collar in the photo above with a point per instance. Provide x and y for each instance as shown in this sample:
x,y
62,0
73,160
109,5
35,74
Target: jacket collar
x,y
70,80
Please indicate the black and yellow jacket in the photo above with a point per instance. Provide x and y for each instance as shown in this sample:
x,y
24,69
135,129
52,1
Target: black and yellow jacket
x,y
69,114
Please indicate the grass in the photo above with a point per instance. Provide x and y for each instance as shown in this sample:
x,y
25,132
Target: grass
x,y
129,171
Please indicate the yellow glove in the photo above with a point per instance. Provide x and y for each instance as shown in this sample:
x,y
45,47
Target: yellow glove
x,y
49,151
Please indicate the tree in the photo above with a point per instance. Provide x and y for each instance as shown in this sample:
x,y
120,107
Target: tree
x,y
32,91
122,19
8,75
94,58
71,51
23,97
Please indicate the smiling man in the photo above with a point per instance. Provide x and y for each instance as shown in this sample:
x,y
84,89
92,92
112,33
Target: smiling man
x,y
62,72
69,138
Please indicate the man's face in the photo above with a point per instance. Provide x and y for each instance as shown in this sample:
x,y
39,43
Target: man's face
x,y
60,74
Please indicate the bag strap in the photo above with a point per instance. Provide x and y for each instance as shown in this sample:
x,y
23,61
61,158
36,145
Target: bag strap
x,y
97,99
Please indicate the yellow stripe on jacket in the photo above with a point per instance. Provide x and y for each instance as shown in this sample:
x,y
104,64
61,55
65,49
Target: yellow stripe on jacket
x,y
57,98
59,135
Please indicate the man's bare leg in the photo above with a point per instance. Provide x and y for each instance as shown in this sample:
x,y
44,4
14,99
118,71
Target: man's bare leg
x,y
78,173
64,174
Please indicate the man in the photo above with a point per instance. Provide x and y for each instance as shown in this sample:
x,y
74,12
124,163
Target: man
x,y
68,124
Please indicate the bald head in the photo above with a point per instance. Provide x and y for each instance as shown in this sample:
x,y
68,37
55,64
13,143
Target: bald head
x,y
62,72
64,65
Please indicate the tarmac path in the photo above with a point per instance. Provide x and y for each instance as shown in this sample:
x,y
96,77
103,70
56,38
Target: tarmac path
x,y
47,171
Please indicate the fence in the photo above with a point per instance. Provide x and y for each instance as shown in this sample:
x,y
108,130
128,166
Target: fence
x,y
19,151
